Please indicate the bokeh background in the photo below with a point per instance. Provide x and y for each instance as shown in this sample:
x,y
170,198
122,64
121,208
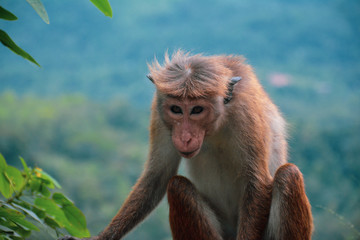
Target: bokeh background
x,y
83,116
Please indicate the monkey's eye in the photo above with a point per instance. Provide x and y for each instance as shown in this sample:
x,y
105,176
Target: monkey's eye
x,y
176,109
197,110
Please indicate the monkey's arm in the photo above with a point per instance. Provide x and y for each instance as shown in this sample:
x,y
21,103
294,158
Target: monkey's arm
x,y
146,194
257,182
150,188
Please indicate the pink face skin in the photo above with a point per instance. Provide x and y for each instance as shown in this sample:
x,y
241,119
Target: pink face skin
x,y
189,120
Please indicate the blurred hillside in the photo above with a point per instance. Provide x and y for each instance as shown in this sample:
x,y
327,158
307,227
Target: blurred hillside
x,y
87,109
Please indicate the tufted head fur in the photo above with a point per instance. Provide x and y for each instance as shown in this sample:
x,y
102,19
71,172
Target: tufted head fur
x,y
190,76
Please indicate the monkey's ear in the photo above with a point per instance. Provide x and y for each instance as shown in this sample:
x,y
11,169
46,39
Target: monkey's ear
x,y
230,89
150,78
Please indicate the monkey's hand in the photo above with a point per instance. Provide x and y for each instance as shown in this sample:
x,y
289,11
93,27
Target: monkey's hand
x,y
75,238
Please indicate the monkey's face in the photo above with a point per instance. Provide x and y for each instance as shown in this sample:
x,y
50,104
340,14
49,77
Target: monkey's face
x,y
189,120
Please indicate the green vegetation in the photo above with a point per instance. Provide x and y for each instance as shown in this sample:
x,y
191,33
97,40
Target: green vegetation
x,y
29,203
83,117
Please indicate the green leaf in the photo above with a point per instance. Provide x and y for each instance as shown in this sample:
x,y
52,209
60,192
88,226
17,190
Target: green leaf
x,y
26,225
28,212
40,9
25,166
39,212
16,177
3,164
11,214
77,220
44,191
15,237
5,14
51,209
77,233
18,218
35,185
103,6
45,176
8,42
21,232
5,188
6,205
60,199
51,223
7,227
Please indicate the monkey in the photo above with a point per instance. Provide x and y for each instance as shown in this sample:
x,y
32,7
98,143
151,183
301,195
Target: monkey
x,y
213,113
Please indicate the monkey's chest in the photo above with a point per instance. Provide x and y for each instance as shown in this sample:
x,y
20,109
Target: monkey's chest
x,y
219,183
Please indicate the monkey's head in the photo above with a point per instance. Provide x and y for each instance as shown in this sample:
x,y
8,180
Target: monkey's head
x,y
189,120
192,92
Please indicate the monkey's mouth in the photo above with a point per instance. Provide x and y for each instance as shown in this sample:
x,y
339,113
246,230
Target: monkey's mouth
x,y
189,154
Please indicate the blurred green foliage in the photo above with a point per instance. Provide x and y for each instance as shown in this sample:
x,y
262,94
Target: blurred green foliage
x,y
68,117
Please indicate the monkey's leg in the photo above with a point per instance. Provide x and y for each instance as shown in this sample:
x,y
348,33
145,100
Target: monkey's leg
x,y
190,217
290,213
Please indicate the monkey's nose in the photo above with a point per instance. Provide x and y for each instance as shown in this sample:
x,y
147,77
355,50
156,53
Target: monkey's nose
x,y
186,138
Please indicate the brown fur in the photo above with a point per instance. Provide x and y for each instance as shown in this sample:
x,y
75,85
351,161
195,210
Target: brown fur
x,y
186,76
240,185
296,222
187,220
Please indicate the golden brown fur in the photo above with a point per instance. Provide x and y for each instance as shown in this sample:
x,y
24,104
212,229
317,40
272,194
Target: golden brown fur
x,y
188,76
239,184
